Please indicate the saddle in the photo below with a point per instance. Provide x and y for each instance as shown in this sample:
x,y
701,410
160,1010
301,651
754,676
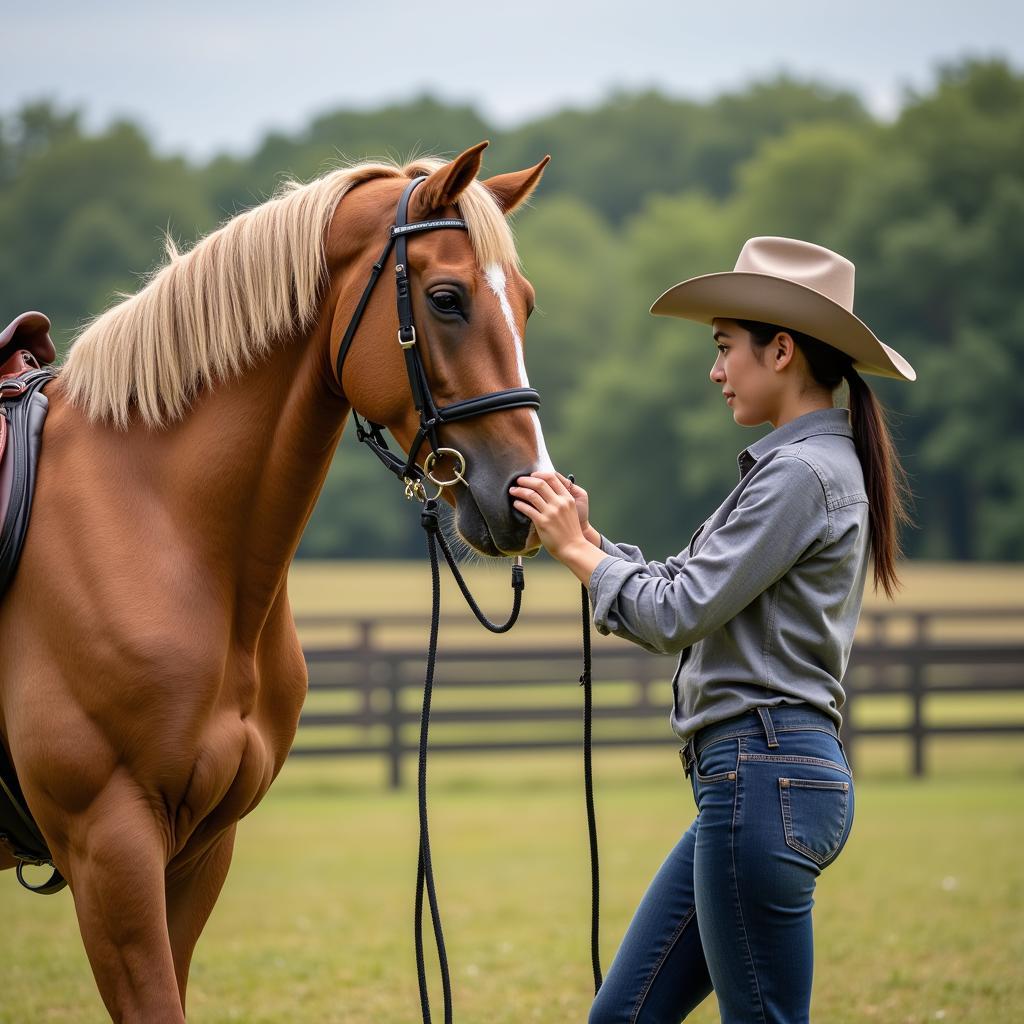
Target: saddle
x,y
25,352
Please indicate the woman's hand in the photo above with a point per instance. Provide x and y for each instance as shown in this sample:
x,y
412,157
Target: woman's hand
x,y
581,498
545,499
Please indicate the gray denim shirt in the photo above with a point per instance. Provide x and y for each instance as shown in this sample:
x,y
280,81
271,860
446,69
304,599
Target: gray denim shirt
x,y
762,605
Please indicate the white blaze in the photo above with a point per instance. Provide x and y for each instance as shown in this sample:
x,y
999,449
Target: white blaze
x,y
496,281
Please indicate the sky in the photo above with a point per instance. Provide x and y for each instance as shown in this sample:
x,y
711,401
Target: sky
x,y
214,76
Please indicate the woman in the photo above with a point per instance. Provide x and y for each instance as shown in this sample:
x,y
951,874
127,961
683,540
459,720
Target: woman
x,y
761,607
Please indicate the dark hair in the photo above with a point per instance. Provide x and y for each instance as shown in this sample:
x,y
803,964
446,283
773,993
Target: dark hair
x,y
884,477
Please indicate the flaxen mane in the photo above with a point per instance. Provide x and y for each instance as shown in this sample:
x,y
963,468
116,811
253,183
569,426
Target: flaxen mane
x,y
210,312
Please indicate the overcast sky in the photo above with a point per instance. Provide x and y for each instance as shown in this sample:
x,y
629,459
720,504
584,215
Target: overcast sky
x,y
209,75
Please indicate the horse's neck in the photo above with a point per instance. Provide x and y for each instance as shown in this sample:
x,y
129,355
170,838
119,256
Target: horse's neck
x,y
246,467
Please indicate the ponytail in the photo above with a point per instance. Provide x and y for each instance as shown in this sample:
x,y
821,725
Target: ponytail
x,y
885,480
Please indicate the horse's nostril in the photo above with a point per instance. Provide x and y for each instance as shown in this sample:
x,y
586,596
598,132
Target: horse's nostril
x,y
517,517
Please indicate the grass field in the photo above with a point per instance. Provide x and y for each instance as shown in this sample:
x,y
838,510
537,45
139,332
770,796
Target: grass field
x,y
921,919
374,587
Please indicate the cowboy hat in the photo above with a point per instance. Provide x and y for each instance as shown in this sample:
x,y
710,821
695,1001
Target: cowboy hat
x,y
795,284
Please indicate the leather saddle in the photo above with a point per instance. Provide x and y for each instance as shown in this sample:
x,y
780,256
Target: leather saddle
x,y
25,352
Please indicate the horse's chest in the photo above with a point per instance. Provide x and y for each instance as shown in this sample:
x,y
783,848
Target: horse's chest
x,y
241,748
233,770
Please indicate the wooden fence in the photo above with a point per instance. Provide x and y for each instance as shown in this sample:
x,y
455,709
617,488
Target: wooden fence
x,y
523,693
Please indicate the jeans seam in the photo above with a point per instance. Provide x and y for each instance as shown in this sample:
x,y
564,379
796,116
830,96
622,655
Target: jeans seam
x,y
726,736
798,759
805,728
736,894
655,970
758,730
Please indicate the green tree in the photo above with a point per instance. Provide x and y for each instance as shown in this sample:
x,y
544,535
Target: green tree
x,y
935,232
799,183
87,214
572,259
643,191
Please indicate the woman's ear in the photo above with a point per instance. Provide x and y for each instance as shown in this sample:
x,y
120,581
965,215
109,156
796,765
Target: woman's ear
x,y
782,348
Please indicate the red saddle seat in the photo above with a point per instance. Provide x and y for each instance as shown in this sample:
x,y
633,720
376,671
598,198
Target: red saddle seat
x,y
25,345
29,332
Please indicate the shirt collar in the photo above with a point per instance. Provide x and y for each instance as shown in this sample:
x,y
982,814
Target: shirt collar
x,y
820,421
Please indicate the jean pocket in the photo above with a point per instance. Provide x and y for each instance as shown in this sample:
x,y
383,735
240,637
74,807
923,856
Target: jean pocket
x,y
716,762
815,816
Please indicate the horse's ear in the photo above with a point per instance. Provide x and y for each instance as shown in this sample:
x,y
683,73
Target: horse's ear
x,y
510,190
443,188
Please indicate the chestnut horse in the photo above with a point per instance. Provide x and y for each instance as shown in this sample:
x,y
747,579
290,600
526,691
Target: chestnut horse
x,y
152,676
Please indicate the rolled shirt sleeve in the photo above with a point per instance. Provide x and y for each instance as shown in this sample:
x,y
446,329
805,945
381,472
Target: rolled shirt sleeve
x,y
782,517
631,553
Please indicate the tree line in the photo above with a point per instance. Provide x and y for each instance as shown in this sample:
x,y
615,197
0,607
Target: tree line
x,y
643,190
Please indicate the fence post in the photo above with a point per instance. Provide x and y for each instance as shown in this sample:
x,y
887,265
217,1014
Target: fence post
x,y
366,680
917,691
394,720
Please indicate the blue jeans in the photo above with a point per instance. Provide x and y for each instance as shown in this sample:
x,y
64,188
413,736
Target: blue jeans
x,y
729,910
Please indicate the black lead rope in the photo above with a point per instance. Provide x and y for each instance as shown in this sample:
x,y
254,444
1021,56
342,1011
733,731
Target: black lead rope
x,y
586,681
588,781
424,868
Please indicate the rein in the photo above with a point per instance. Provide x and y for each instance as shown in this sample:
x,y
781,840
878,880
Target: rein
x,y
424,869
412,476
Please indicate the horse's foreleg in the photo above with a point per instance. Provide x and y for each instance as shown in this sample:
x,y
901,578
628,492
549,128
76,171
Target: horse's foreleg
x,y
192,890
115,861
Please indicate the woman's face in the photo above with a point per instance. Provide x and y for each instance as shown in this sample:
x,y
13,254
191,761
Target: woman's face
x,y
751,388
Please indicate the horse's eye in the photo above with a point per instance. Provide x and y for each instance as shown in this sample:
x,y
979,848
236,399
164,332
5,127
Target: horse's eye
x,y
446,302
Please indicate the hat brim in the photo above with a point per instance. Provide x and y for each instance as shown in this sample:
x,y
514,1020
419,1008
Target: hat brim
x,y
741,295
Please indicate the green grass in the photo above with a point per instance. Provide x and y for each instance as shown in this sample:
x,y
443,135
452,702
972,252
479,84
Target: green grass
x,y
375,587
920,919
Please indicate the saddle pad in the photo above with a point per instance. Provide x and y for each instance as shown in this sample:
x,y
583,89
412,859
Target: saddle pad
x,y
24,412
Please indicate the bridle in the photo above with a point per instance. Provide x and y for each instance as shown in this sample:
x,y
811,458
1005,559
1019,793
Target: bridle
x,y
412,476
431,415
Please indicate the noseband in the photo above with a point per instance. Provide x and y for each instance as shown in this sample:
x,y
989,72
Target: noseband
x,y
432,416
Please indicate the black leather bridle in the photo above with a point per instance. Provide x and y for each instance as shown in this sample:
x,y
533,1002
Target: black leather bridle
x,y
432,416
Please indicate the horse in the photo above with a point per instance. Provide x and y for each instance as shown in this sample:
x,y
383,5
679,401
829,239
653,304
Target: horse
x,y
152,676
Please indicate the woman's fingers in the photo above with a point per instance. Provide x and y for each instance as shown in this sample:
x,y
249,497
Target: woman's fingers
x,y
544,483
543,498
528,494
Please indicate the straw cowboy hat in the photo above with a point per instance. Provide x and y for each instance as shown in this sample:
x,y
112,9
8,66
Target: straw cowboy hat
x,y
794,284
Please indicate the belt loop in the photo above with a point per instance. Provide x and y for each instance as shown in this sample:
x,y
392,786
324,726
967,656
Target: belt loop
x,y
769,728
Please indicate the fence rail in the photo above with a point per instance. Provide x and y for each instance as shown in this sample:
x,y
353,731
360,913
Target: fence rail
x,y
368,688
